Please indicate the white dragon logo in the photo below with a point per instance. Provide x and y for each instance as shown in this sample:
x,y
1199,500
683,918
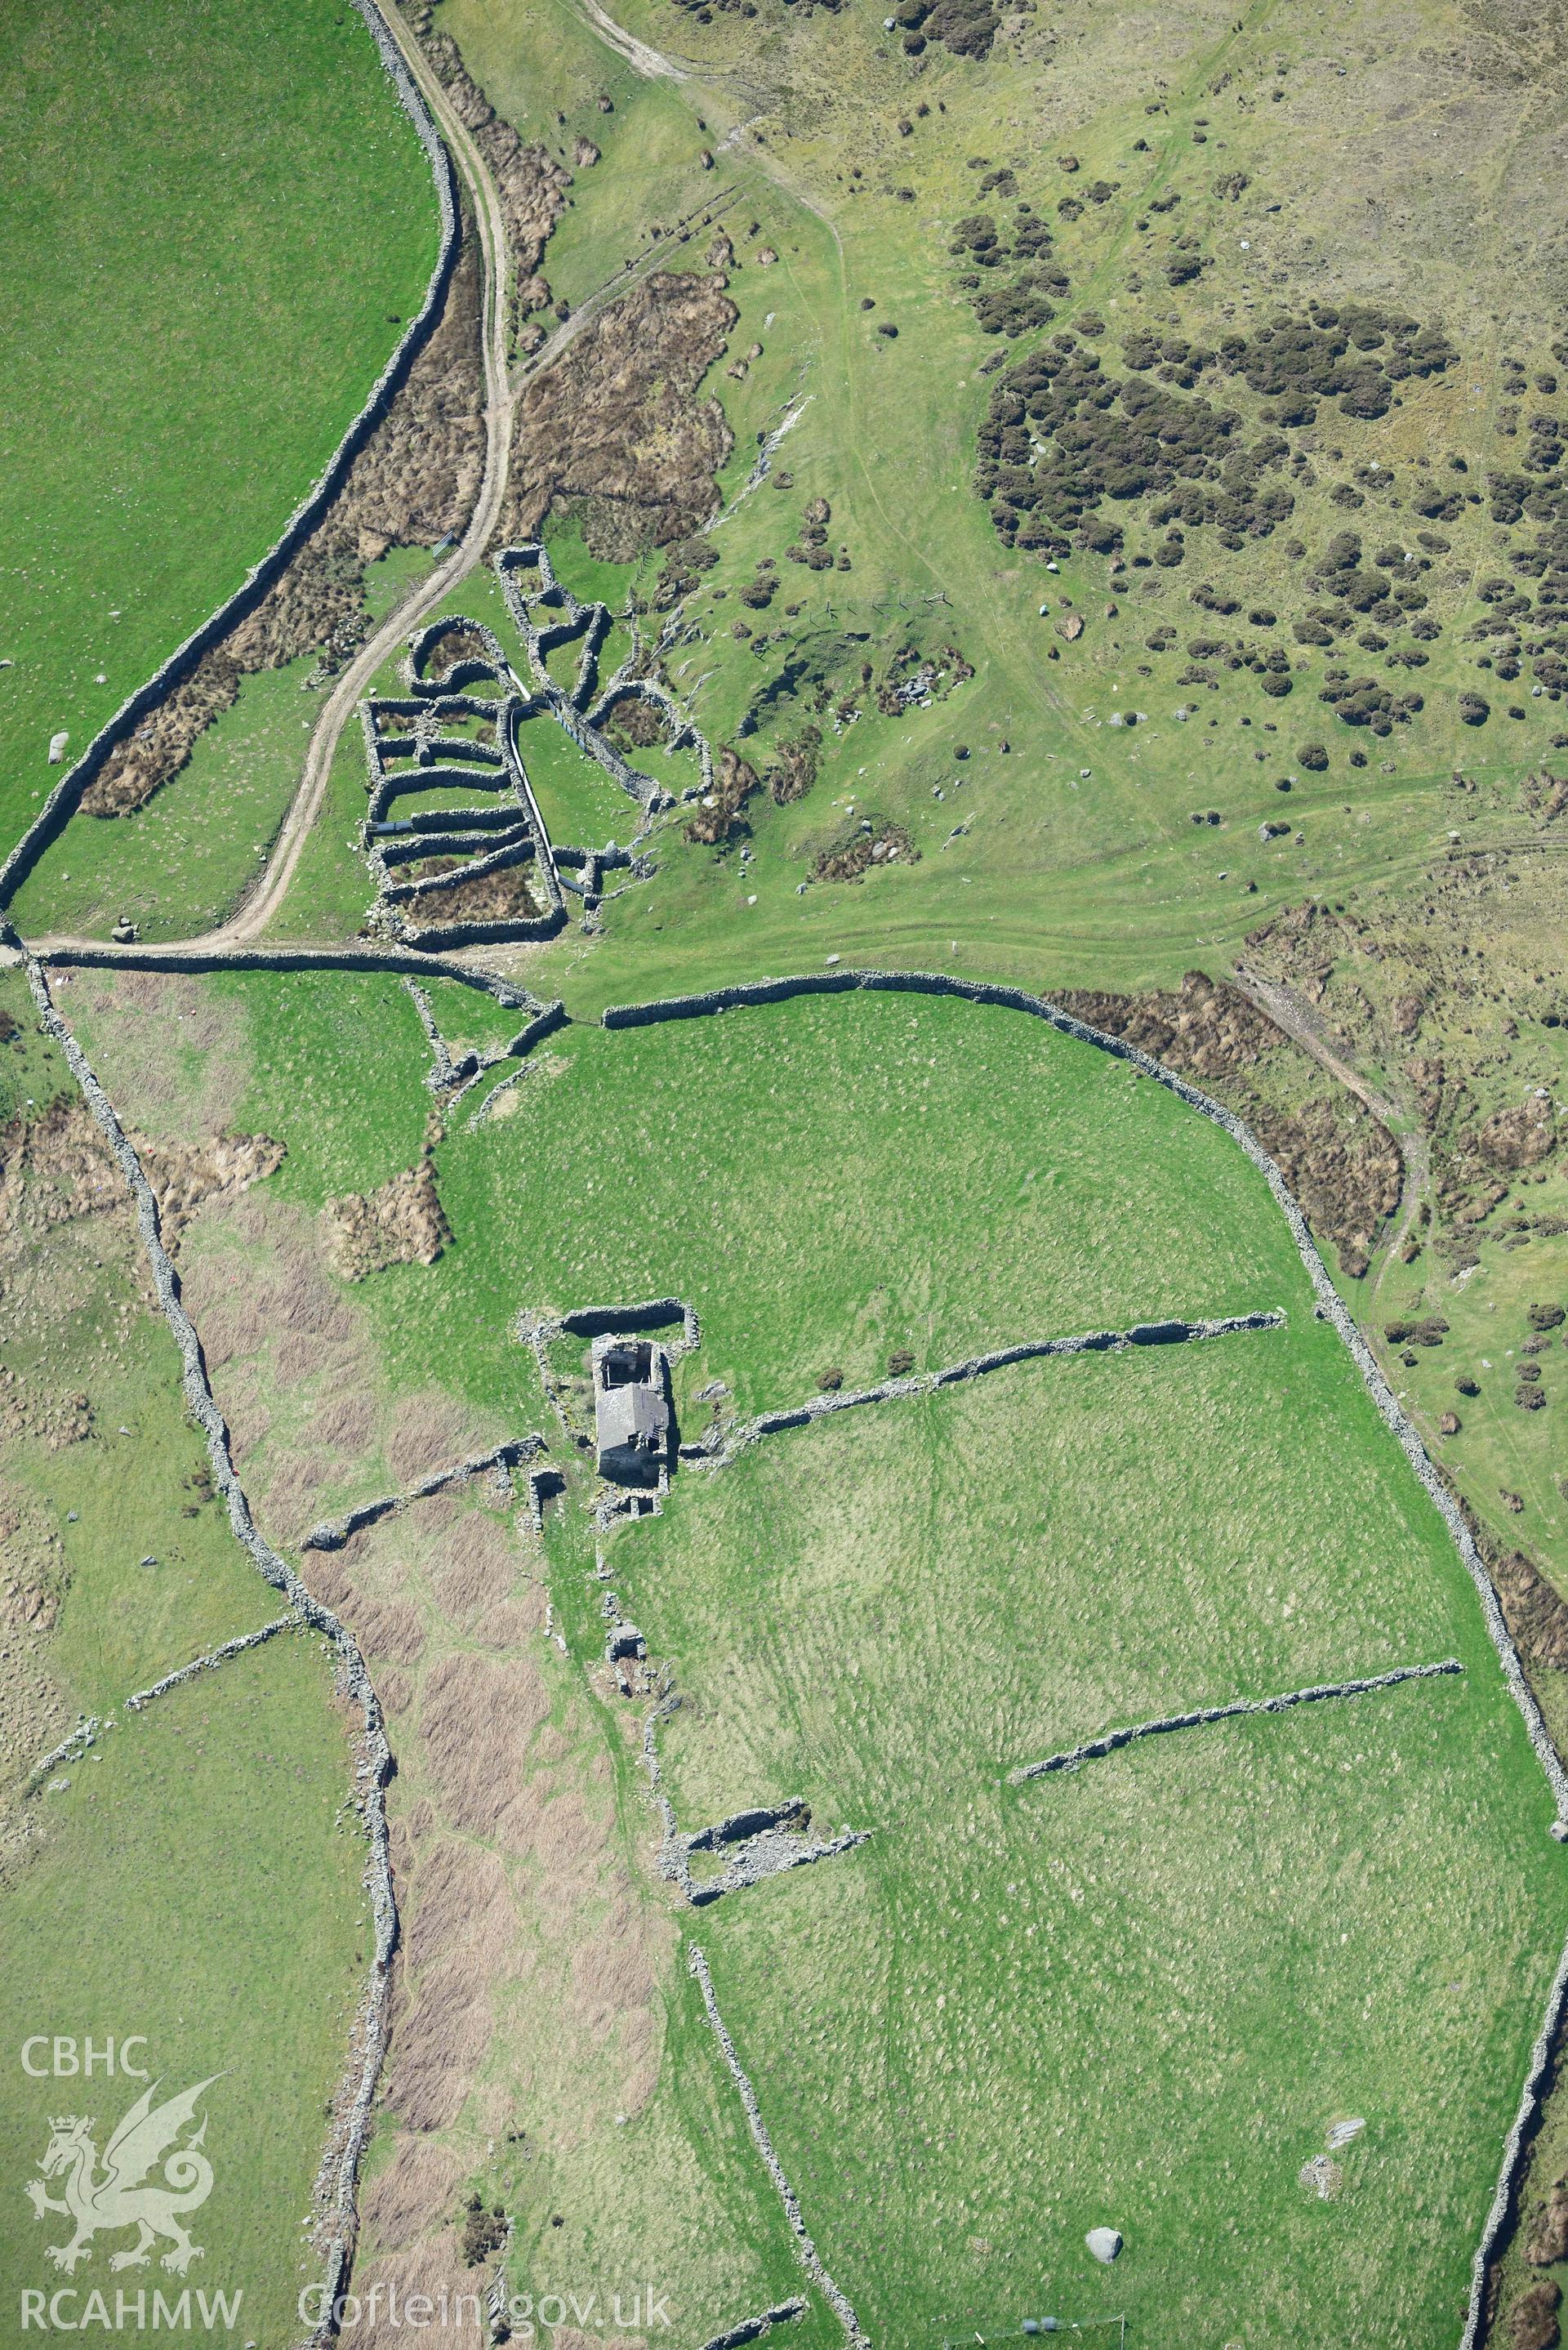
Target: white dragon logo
x,y
120,2197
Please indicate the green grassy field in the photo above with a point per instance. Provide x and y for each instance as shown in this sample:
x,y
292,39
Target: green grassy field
x,y
887,1613
153,1907
211,244
1043,1150
1139,1994
78,1321
177,866
142,1895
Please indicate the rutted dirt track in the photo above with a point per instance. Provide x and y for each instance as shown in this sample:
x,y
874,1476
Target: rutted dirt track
x,y
253,918
503,394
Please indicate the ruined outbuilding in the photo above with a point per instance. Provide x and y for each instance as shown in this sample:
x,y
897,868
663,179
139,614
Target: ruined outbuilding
x,y
632,1418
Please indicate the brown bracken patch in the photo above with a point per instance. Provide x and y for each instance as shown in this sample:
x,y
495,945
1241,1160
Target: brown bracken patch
x,y
614,431
401,1223
1341,1165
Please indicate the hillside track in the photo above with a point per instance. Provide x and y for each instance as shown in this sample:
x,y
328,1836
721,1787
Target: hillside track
x,y
251,920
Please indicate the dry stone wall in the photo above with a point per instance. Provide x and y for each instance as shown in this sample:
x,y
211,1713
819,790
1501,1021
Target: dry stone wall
x,y
1331,1308
408,962
335,1531
342,2165
62,802
719,1449
810,2259
1094,1750
214,1657
750,2328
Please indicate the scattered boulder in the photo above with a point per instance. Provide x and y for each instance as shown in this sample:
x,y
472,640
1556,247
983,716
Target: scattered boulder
x,y
1105,2243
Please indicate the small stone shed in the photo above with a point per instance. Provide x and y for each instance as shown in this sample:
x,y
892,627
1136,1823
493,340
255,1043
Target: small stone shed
x,y
632,1417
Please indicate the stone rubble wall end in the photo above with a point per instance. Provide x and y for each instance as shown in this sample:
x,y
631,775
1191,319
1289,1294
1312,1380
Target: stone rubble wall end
x,y
62,802
443,1071
544,1024
750,2328
80,1739
333,1532
1094,1750
740,1825
341,2165
810,2259
768,1855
